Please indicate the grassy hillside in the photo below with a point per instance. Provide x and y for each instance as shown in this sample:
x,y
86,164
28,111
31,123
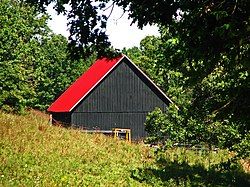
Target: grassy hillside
x,y
32,153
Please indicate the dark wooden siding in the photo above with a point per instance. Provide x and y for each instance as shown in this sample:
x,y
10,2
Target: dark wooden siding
x,y
107,121
121,91
122,99
62,117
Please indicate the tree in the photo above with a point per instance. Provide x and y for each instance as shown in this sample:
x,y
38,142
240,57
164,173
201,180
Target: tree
x,y
20,30
35,63
54,71
197,121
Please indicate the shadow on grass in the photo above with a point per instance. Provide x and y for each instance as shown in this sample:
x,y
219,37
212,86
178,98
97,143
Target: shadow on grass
x,y
172,173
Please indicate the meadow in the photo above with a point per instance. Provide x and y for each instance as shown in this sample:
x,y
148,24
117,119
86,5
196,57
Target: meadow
x,y
34,153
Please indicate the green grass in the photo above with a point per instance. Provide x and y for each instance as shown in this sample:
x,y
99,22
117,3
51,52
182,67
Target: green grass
x,y
181,167
32,153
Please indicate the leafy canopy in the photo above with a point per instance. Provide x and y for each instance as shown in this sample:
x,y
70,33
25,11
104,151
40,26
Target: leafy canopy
x,y
207,28
213,108
34,63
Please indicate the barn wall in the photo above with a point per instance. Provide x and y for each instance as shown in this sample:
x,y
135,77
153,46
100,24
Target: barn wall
x,y
62,117
122,99
121,91
107,121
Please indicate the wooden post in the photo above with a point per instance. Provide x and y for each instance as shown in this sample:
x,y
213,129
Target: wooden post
x,y
50,119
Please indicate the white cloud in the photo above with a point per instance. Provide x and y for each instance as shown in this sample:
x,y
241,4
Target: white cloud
x,y
58,23
121,33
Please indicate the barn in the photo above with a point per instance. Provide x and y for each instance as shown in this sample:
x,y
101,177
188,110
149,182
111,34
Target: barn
x,y
112,93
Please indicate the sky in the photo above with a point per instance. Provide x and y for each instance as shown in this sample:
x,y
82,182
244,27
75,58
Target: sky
x,y
121,33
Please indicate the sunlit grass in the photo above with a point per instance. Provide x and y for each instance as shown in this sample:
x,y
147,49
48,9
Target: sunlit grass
x,y
33,153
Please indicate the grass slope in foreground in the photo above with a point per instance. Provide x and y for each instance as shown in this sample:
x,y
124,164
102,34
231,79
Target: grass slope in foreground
x,y
32,153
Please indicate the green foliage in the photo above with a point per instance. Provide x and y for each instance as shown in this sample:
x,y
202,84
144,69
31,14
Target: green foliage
x,y
165,129
87,26
35,63
206,28
55,71
212,106
243,148
20,26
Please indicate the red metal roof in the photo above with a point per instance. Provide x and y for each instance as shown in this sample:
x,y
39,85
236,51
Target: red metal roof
x,y
84,84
